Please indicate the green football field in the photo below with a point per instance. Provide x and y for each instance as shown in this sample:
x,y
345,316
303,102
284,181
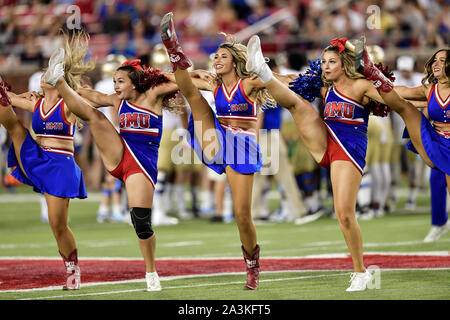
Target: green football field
x,y
298,262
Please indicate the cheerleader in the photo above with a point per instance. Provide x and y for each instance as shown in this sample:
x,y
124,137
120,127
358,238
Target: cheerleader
x,y
339,141
430,140
132,154
46,162
226,141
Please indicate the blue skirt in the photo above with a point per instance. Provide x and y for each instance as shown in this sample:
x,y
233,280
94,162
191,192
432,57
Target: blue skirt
x,y
352,139
47,172
437,147
239,149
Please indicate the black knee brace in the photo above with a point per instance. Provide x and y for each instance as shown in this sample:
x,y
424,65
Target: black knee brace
x,y
142,222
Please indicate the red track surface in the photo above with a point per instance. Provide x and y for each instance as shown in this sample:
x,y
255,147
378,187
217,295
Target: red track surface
x,y
29,274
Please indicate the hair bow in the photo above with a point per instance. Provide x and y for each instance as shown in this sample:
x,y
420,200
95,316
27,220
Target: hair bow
x,y
135,64
340,43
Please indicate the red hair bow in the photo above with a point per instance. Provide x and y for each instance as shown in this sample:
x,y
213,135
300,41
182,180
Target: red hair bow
x,y
135,64
340,43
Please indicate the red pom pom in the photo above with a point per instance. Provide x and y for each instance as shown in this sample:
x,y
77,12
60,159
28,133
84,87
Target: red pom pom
x,y
385,70
152,77
378,109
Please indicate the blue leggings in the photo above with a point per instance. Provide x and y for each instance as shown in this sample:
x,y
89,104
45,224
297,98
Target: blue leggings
x,y
438,187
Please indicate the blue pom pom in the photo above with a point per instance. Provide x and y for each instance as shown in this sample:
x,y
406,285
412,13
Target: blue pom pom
x,y
308,85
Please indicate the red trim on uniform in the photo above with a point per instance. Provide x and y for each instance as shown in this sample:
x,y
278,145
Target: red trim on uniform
x,y
141,132
58,150
215,91
63,115
326,93
120,106
253,104
55,136
142,109
236,130
444,134
349,99
227,94
431,93
38,103
439,99
345,121
45,116
243,118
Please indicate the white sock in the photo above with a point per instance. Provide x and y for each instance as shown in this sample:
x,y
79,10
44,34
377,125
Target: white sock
x,y
386,183
364,192
266,74
103,209
207,199
179,193
412,195
377,182
44,208
116,209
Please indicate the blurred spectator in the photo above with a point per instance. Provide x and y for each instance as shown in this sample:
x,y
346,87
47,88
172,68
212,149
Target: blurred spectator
x,y
183,10
402,23
51,41
3,151
241,7
123,45
347,21
201,18
110,18
405,76
31,52
226,18
86,6
140,41
258,12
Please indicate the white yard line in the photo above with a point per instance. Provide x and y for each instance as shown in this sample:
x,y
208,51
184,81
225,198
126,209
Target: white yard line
x,y
168,278
325,255
341,273
173,287
181,244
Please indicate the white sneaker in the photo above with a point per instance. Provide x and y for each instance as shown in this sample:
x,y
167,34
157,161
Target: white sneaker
x,y
436,232
102,218
379,212
127,219
410,205
256,62
310,217
164,221
152,280
184,215
117,217
279,216
44,218
55,70
368,215
359,281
